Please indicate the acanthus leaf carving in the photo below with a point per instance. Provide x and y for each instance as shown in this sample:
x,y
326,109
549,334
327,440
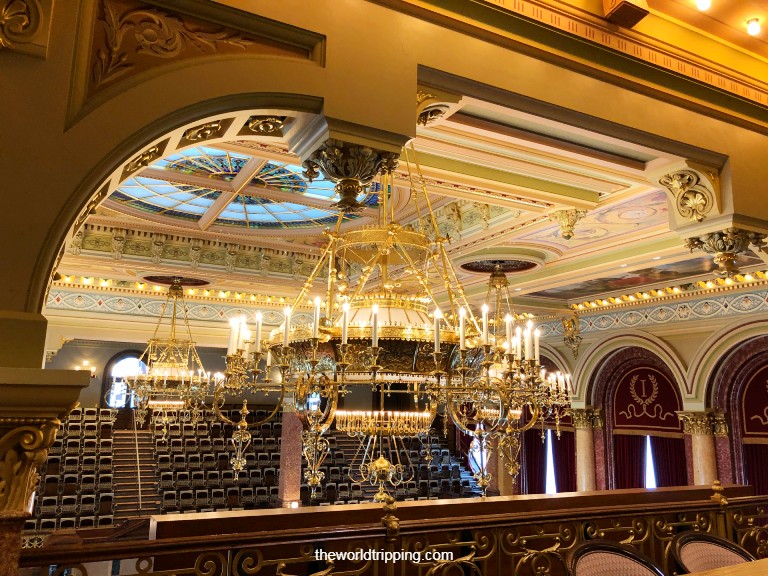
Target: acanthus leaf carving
x,y
692,199
22,450
19,22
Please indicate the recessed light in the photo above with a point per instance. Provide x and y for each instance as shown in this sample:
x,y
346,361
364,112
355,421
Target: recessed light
x,y
623,266
518,289
753,26
703,4
657,258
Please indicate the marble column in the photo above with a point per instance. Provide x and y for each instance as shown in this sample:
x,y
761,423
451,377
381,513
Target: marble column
x,y
289,486
32,402
583,422
698,426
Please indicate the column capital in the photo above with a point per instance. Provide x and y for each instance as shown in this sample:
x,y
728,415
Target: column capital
x,y
696,423
32,402
586,418
719,424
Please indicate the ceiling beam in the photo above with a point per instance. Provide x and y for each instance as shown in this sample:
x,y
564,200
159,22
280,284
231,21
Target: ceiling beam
x,y
246,174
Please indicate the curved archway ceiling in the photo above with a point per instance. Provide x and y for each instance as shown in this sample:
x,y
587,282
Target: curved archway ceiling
x,y
211,187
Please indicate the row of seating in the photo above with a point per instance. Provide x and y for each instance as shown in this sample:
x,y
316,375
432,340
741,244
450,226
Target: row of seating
x,y
194,445
76,446
51,524
204,499
256,477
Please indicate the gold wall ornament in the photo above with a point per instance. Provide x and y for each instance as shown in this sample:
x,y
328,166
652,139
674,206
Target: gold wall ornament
x,y
692,199
23,448
567,219
726,246
351,167
696,423
264,126
204,132
145,158
571,337
19,22
581,418
118,242
719,424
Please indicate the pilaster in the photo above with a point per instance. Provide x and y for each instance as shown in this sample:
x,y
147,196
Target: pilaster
x,y
289,485
32,403
585,421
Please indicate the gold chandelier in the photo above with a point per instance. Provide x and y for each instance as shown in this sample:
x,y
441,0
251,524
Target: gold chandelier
x,y
395,320
175,384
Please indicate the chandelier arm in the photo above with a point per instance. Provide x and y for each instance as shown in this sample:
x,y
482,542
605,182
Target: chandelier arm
x,y
463,296
424,191
274,412
414,191
535,416
217,392
316,270
332,411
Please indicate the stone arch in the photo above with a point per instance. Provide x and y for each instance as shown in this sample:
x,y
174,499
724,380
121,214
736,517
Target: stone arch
x,y
604,382
729,382
588,364
714,350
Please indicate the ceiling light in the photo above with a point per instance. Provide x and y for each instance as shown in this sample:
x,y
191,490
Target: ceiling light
x,y
623,266
703,4
657,257
753,26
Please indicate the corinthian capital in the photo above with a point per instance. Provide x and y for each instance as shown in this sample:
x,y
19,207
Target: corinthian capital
x,y
696,423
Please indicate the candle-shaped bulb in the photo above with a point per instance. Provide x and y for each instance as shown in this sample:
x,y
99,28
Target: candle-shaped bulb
x,y
462,329
536,337
234,334
528,347
438,316
287,326
508,322
259,321
344,322
316,324
375,325
485,324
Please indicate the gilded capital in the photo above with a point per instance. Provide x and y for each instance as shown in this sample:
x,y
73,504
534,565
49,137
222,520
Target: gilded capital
x,y
696,423
23,448
586,418
351,167
719,424
567,219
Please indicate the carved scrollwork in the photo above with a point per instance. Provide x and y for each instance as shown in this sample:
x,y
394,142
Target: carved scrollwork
x,y
19,22
150,32
264,126
206,131
692,200
22,451
144,159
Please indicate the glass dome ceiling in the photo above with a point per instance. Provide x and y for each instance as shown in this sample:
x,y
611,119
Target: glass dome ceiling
x,y
215,187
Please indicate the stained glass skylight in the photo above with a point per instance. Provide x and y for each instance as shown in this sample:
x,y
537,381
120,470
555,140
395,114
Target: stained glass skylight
x,y
269,195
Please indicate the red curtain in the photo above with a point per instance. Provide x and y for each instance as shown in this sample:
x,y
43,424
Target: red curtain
x,y
535,462
755,468
669,461
564,455
629,460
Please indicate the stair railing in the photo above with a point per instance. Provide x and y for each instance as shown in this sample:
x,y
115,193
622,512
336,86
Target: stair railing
x,y
138,460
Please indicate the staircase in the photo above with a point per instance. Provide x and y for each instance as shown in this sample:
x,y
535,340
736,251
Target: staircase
x,y
131,472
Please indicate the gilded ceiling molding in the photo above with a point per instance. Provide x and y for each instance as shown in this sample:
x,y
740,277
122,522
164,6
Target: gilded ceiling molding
x,y
145,158
692,199
204,132
351,167
571,337
594,29
434,105
567,219
725,246
264,126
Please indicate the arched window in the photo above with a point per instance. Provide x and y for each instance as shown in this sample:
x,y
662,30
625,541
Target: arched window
x,y
116,391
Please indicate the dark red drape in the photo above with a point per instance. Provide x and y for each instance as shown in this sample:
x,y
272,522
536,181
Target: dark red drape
x,y
629,461
535,462
755,468
669,461
564,455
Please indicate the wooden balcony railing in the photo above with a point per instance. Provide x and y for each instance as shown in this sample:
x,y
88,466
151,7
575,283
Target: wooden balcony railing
x,y
523,535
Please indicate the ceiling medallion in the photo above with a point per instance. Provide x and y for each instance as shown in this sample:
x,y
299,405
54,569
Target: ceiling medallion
x,y
511,266
171,280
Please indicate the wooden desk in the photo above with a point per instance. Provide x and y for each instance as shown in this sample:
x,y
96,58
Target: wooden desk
x,y
756,568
